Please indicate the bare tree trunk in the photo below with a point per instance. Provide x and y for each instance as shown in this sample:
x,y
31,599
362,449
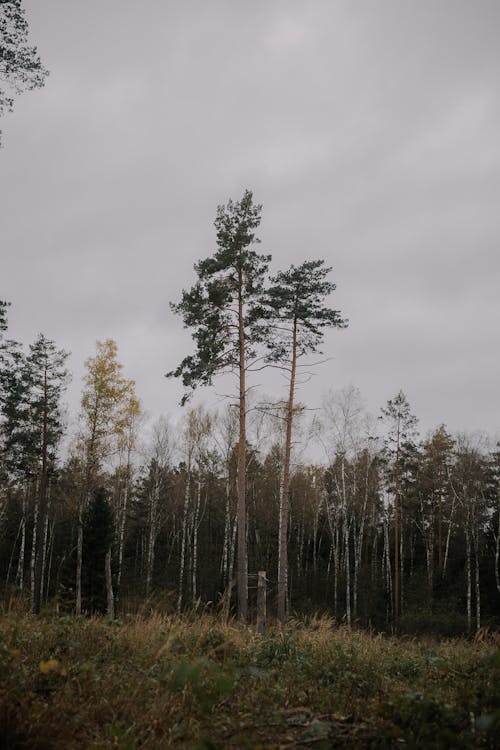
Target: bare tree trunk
x,y
44,546
232,549
401,562
388,571
440,532
358,542
224,563
261,602
41,514
347,573
468,576
34,538
448,536
79,561
123,518
412,549
194,572
284,499
22,549
497,555
475,536
14,546
336,566
50,556
242,573
396,536
152,533
109,586
187,492
374,555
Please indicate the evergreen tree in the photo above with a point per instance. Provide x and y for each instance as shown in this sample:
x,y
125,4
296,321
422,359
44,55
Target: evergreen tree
x,y
47,379
98,537
401,426
224,311
296,299
20,66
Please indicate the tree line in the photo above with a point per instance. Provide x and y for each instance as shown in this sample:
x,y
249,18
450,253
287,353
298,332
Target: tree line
x,y
383,528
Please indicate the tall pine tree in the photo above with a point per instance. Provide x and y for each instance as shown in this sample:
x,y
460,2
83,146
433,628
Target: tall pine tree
x,y
224,311
296,300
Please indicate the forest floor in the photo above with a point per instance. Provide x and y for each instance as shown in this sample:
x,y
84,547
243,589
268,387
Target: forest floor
x,y
160,682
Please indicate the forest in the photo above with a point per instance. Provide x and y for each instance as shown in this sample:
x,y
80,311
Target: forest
x,y
254,570
349,514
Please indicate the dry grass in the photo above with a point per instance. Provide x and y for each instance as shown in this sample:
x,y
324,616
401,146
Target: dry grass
x,y
195,682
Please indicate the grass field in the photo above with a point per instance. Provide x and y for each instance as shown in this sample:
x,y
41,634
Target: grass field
x,y
159,682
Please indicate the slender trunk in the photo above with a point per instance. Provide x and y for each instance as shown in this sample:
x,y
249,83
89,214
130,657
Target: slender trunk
x,y
388,569
396,536
477,573
347,573
336,565
374,553
497,555
232,550
428,537
241,486
468,576
358,543
448,536
261,602
284,500
123,518
401,562
152,519
109,586
34,545
44,545
412,549
224,563
194,572
121,537
79,561
355,585
187,492
49,566
440,532
329,564
14,546
22,548
39,537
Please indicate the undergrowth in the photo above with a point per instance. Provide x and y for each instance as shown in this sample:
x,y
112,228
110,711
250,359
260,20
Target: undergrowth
x,y
161,682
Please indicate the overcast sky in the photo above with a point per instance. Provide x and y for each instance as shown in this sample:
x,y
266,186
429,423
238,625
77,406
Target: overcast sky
x,y
369,131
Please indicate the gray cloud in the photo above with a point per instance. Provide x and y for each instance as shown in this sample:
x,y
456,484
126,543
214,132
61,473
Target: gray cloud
x,y
369,131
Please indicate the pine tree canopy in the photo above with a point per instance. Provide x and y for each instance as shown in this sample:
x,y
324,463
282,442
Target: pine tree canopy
x,y
232,277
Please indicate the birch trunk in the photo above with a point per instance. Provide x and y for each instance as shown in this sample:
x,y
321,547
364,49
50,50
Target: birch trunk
x,y
187,492
194,572
41,515
224,563
34,538
468,577
44,548
477,574
49,566
448,537
109,586
347,574
152,533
